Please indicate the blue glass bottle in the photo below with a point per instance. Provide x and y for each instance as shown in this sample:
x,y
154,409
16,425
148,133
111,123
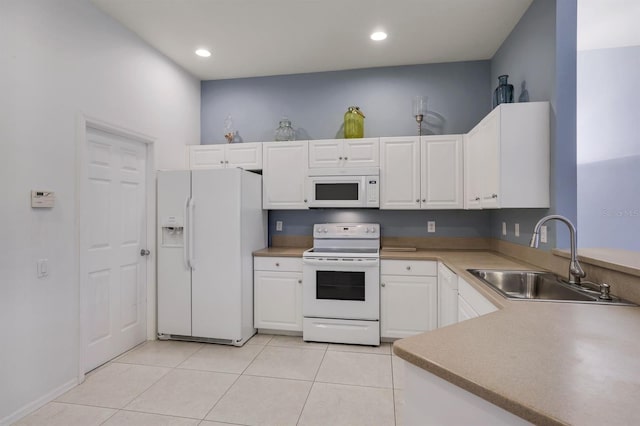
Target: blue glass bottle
x,y
504,92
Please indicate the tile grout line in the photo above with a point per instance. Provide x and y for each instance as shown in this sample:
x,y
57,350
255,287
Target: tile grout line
x,y
393,390
234,382
312,384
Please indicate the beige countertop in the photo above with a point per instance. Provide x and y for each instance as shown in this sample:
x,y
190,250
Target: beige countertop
x,y
280,252
548,362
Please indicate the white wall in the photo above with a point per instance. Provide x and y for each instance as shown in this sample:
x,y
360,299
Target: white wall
x,y
59,58
608,108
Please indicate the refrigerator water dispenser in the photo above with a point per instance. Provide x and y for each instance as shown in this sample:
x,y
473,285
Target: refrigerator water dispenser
x,y
172,232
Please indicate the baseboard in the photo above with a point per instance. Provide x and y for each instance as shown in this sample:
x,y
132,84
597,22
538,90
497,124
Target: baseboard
x,y
34,405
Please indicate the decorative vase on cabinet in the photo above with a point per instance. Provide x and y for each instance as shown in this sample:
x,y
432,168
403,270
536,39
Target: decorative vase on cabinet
x,y
504,92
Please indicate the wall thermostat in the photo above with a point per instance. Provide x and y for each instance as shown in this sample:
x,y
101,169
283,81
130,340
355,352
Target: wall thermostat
x,y
40,199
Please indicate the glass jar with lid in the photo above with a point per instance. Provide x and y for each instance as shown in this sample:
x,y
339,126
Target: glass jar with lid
x,y
353,123
285,132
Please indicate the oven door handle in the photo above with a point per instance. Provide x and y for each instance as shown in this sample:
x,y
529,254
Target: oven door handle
x,y
364,263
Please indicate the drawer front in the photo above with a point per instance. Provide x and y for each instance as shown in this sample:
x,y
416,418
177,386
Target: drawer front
x,y
409,267
293,264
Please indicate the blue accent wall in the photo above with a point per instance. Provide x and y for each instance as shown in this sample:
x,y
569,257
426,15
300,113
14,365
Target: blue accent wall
x,y
541,51
393,223
459,97
608,148
316,102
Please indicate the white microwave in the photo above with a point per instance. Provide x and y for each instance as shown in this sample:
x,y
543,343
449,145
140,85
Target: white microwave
x,y
344,188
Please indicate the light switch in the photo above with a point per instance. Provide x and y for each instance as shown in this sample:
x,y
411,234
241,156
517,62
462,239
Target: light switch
x,y
517,229
278,225
431,226
504,228
543,234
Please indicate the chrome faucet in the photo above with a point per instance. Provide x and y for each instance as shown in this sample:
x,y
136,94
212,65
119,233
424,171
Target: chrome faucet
x,y
575,270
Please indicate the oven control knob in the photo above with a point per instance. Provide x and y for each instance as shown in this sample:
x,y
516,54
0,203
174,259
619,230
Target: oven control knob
x,y
372,230
325,230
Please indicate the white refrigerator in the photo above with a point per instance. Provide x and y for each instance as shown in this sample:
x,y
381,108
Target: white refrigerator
x,y
209,223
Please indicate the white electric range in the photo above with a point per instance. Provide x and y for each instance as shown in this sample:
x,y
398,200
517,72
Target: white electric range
x,y
341,284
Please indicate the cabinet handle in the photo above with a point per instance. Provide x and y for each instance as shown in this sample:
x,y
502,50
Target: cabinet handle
x,y
226,162
494,195
408,268
299,281
346,158
339,158
383,284
418,200
277,264
424,200
221,161
477,199
305,200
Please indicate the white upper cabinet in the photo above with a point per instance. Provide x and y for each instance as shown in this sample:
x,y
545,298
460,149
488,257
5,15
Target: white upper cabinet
x,y
441,182
247,156
284,175
336,153
400,173
421,172
508,158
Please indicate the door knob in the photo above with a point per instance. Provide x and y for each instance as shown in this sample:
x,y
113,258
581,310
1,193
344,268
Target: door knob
x,y
144,252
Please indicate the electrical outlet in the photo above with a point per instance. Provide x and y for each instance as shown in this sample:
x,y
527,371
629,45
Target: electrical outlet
x,y
504,228
278,225
543,234
517,229
43,268
431,226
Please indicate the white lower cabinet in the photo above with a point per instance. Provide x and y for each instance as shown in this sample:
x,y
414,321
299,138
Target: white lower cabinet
x,y
447,296
471,303
277,293
408,297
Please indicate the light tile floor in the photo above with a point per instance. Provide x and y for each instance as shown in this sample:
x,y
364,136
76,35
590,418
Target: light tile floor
x,y
271,380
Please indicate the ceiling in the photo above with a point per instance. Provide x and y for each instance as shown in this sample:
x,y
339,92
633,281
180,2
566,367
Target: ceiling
x,y
250,38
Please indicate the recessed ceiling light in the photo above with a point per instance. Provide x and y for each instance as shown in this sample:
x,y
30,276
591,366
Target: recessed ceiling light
x,y
378,36
203,53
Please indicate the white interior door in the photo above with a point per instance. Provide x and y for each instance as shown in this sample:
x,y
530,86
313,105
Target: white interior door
x,y
113,223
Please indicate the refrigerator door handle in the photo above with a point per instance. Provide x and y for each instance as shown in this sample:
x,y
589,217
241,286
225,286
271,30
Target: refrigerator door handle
x,y
185,232
191,206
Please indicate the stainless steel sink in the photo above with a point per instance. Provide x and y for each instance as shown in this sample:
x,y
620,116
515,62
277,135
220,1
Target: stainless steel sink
x,y
539,285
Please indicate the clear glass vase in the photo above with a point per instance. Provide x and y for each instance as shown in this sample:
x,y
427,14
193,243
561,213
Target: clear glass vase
x,y
504,92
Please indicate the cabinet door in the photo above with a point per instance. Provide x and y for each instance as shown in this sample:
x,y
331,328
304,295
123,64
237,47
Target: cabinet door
x,y
441,172
247,156
490,168
206,156
362,152
472,151
465,311
408,305
400,173
278,300
325,153
284,175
